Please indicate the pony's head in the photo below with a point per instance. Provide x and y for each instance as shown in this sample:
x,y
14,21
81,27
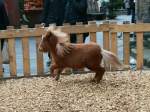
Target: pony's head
x,y
52,37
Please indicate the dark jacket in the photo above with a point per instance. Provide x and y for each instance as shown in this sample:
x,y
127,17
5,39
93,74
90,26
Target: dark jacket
x,y
76,11
53,11
3,16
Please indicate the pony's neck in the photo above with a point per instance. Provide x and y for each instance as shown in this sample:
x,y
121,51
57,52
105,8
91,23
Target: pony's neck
x,y
52,47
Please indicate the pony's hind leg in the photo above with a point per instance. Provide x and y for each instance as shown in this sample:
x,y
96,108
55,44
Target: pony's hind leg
x,y
99,73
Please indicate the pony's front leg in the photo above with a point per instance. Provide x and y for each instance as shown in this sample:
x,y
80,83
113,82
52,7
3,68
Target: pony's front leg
x,y
58,74
53,67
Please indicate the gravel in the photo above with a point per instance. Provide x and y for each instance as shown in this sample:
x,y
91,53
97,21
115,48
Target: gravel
x,y
117,92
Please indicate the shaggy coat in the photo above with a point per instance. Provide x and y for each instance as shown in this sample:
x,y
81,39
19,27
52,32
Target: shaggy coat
x,y
75,56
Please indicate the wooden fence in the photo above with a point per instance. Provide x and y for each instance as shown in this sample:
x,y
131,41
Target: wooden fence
x,y
109,42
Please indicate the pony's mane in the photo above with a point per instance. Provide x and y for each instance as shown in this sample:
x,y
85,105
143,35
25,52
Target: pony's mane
x,y
64,49
62,37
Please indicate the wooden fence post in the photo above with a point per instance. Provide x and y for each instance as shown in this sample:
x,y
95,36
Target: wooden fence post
x,y
25,49
114,40
40,65
139,50
12,54
92,34
106,38
126,46
79,36
67,24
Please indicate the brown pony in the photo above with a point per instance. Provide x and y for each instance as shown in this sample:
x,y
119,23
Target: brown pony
x,y
75,56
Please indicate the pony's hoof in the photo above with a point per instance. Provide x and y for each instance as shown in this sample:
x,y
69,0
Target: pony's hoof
x,y
95,81
52,75
57,77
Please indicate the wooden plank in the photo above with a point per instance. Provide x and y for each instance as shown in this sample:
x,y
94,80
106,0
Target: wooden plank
x,y
65,25
140,27
114,42
12,54
126,47
106,45
12,57
92,34
106,38
79,35
79,38
25,49
144,27
38,31
139,50
40,65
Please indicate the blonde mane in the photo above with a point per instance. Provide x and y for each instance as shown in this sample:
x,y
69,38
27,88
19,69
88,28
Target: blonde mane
x,y
63,47
62,37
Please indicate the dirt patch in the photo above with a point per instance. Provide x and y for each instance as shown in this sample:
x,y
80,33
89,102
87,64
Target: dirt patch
x,y
118,92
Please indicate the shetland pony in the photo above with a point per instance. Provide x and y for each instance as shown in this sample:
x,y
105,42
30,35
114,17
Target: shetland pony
x,y
75,56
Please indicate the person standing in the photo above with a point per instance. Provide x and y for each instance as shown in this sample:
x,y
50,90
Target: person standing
x,y
127,6
4,21
53,13
76,11
132,7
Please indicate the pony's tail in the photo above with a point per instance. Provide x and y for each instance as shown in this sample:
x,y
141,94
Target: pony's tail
x,y
111,58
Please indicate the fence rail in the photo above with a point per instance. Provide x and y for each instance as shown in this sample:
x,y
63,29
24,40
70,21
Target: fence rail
x,y
109,30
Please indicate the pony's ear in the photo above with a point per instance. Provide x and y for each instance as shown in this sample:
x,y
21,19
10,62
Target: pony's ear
x,y
49,30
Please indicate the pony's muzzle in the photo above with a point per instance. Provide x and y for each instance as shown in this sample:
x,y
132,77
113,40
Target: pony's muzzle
x,y
40,49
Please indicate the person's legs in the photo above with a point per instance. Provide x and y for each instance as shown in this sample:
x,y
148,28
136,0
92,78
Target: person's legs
x,y
73,38
2,43
84,36
133,16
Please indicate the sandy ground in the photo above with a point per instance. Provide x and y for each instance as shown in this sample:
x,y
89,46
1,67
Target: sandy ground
x,y
118,92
